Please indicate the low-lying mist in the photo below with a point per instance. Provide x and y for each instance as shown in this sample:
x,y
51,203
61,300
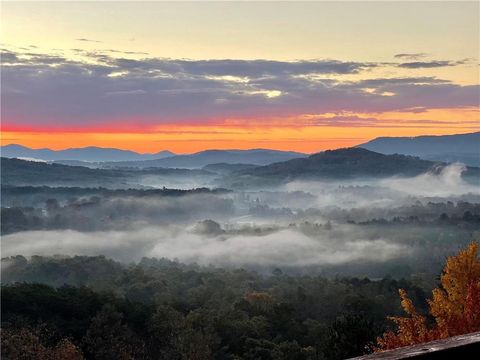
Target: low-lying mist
x,y
411,223
283,247
446,184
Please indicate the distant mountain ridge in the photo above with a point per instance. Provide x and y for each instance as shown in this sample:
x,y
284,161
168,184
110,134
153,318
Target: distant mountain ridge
x,y
208,157
87,154
463,148
109,158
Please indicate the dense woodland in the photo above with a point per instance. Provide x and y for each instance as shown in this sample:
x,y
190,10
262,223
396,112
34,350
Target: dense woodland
x,y
161,309
305,270
19,172
350,163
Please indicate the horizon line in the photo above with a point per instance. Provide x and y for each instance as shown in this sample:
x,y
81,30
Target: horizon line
x,y
226,149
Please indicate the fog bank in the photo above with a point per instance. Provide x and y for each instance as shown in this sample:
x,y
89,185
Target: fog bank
x,y
285,247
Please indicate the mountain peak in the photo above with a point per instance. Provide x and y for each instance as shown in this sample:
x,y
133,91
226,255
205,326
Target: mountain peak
x,y
344,163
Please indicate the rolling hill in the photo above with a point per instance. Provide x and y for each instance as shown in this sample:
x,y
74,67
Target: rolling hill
x,y
22,173
345,163
463,148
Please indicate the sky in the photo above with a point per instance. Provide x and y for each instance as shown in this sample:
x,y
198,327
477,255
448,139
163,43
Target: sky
x,y
189,76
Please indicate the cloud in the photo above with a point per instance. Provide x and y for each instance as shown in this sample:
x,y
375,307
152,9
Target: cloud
x,y
424,80
31,59
239,68
289,248
127,52
46,90
427,64
8,57
434,63
411,56
88,40
349,120
126,92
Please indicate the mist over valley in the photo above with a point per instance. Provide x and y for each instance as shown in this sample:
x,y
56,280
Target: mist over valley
x,y
340,212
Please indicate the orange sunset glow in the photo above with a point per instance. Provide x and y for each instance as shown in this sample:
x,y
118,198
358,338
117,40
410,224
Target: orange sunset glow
x,y
237,179
311,134
194,93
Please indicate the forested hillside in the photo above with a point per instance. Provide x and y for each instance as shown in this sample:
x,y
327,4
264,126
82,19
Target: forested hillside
x,y
163,309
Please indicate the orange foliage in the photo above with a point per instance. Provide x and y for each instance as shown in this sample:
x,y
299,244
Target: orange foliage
x,y
260,300
24,344
254,297
455,306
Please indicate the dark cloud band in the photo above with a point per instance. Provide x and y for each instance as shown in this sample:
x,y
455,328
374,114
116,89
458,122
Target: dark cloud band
x,y
50,88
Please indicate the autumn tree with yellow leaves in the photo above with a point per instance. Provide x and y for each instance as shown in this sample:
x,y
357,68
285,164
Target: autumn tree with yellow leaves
x,y
454,306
